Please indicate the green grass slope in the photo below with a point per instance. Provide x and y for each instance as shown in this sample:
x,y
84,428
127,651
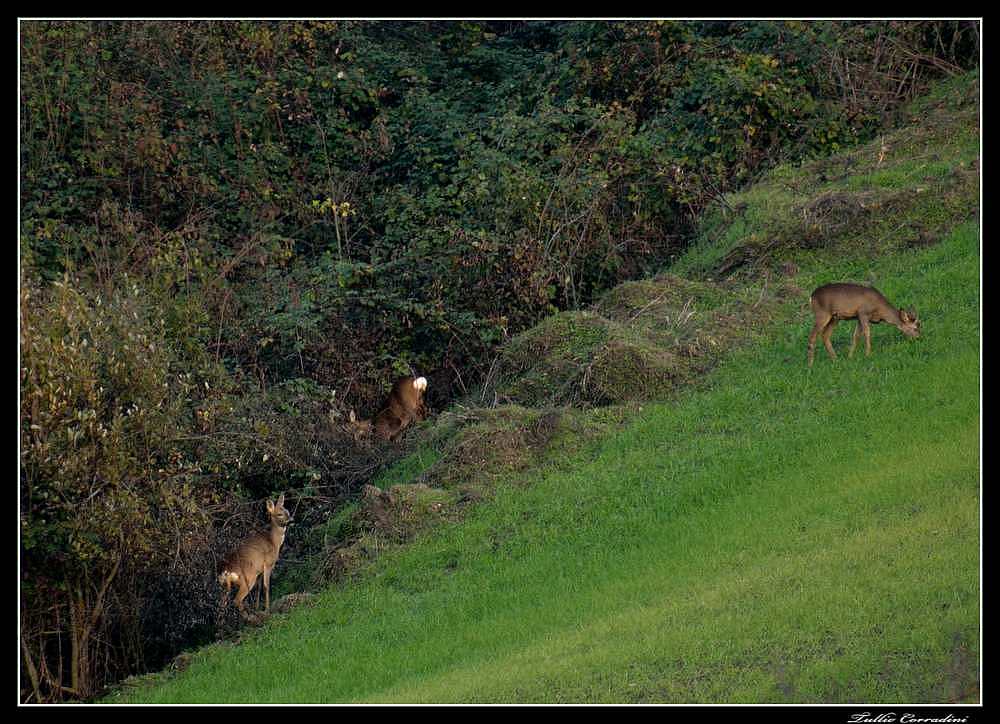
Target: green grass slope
x,y
774,534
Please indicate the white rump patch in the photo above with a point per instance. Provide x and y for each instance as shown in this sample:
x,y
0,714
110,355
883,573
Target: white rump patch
x,y
420,383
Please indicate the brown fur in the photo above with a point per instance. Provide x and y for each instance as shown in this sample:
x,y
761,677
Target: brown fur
x,y
404,406
834,302
256,555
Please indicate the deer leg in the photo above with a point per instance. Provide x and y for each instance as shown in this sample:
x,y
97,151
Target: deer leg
x,y
242,593
256,589
821,321
403,422
827,332
387,428
863,323
854,340
393,432
267,589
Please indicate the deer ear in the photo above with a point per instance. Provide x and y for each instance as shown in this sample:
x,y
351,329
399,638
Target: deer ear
x,y
351,417
270,507
281,500
904,315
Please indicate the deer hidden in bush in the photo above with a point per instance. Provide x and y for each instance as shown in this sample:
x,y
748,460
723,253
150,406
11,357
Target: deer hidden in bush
x,y
834,302
256,555
404,405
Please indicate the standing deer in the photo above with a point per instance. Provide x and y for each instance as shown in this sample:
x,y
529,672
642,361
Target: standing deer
x,y
834,302
404,405
256,555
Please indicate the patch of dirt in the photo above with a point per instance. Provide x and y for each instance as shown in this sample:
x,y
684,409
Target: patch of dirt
x,y
181,662
290,601
396,514
963,672
624,370
921,238
340,562
494,444
830,213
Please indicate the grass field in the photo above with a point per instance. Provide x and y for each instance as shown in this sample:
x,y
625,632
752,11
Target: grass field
x,y
776,534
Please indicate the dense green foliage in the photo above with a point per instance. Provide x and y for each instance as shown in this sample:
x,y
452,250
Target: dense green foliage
x,y
233,232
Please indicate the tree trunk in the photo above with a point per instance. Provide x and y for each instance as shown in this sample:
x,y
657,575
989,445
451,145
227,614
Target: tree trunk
x,y
79,634
30,666
86,615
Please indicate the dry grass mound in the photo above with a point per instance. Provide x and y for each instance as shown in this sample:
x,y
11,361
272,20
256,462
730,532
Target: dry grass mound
x,y
640,341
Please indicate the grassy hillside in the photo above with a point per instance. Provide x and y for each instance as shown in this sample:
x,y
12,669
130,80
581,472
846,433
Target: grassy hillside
x,y
770,534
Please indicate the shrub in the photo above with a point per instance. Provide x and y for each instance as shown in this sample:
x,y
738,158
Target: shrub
x,y
109,489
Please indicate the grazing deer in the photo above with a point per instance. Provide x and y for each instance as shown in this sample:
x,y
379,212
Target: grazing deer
x,y
834,302
404,405
256,555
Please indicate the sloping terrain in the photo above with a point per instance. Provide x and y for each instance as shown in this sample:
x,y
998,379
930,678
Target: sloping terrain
x,y
666,504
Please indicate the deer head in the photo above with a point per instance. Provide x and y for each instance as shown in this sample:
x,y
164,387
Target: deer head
x,y
279,515
358,428
909,324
